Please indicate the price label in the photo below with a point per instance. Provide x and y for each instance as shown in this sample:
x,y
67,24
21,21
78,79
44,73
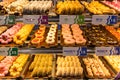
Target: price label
x,y
74,51
104,19
71,19
11,19
35,19
102,51
9,51
2,20
79,19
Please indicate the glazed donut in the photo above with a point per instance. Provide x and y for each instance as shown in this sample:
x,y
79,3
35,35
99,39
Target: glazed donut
x,y
74,25
67,37
39,34
51,33
77,36
41,38
65,25
52,30
69,41
50,37
40,31
50,41
42,27
35,41
80,41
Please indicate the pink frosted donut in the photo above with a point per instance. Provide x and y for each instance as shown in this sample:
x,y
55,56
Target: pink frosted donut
x,y
67,37
80,41
69,41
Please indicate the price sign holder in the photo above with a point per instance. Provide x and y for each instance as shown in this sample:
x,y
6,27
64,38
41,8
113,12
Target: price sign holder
x,y
104,19
71,19
74,51
35,19
2,19
11,19
9,51
102,51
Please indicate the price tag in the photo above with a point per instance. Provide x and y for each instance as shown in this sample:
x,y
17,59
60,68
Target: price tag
x,y
74,51
35,19
9,51
79,19
71,19
11,19
104,19
2,19
102,51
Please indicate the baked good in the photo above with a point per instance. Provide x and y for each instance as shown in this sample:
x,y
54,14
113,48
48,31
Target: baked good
x,y
68,66
2,29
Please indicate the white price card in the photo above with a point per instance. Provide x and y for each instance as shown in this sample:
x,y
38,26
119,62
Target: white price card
x,y
102,51
74,51
8,51
2,19
35,19
104,19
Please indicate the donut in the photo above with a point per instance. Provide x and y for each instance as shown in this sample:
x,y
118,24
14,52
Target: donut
x,y
80,41
41,38
69,41
35,41
77,36
50,41
39,34
74,25
42,27
67,37
51,33
40,31
65,25
50,37
52,30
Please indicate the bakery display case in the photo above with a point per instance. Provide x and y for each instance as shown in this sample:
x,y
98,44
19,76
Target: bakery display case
x,y
41,47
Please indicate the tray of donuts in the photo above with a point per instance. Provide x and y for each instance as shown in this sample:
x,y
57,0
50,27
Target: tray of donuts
x,y
12,66
46,36
72,35
39,66
16,35
95,68
68,67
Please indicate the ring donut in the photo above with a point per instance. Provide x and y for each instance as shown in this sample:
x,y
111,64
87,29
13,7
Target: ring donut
x,y
69,41
51,33
50,37
78,37
50,41
80,41
67,37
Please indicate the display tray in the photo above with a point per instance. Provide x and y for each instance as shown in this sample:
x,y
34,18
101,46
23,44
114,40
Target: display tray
x,y
73,45
91,13
96,77
117,11
99,36
11,77
66,77
109,65
43,43
26,72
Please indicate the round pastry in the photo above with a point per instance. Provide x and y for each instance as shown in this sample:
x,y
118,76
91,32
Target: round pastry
x,y
50,41
51,34
42,27
50,37
65,25
39,34
41,38
80,41
35,41
52,30
40,31
67,37
78,37
69,41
